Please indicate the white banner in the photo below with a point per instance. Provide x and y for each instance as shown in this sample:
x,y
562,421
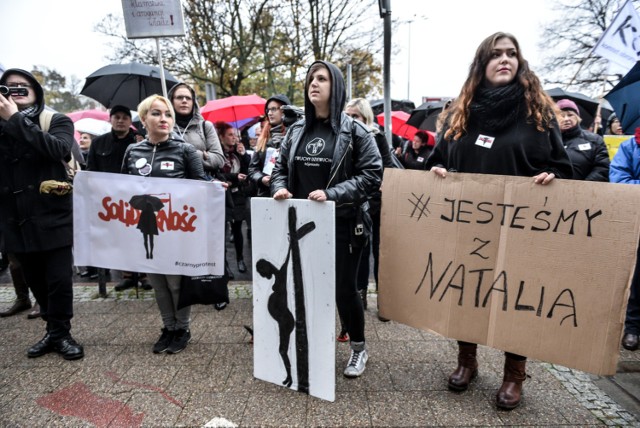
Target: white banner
x,y
151,225
294,294
620,43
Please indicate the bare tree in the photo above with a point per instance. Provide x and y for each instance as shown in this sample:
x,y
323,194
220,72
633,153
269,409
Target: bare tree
x,y
262,46
569,40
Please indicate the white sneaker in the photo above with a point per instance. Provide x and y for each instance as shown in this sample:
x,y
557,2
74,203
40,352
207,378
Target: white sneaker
x,y
357,363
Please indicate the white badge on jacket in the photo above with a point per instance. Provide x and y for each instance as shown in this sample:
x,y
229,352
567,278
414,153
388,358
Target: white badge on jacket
x,y
585,146
168,165
485,141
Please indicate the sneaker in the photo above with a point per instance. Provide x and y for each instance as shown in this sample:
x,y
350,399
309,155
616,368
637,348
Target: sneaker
x,y
125,284
220,306
163,343
357,363
181,338
343,336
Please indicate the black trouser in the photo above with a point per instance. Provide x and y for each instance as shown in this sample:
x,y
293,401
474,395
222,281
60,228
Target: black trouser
x,y
49,274
632,320
348,301
372,245
238,240
17,276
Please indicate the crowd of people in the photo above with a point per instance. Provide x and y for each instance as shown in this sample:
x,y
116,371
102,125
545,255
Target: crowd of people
x,y
522,131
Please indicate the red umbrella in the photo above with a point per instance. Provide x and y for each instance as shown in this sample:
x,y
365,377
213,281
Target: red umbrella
x,y
234,109
93,114
399,124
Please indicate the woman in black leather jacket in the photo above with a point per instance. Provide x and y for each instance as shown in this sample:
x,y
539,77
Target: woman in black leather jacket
x,y
145,158
330,157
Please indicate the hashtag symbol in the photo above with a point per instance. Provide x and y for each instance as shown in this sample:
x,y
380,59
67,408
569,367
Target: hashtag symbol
x,y
419,208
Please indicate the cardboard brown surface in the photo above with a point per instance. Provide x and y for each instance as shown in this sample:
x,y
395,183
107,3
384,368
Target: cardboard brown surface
x,y
564,253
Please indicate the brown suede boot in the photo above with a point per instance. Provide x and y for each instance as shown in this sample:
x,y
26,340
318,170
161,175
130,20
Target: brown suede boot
x,y
510,392
467,367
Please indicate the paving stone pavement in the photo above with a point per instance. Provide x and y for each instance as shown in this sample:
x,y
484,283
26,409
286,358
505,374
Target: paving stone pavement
x,y
121,383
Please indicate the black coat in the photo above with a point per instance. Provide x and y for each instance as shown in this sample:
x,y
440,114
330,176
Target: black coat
x,y
32,221
588,153
107,151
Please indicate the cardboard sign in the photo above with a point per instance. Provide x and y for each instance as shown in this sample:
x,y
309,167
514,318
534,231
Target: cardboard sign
x,y
147,224
540,271
293,249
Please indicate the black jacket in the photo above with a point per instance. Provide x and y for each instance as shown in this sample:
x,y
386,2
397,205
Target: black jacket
x,y
588,153
107,151
32,221
169,159
356,168
416,160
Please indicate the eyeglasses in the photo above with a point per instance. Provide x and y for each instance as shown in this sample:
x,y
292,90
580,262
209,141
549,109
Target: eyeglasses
x,y
273,109
19,85
183,98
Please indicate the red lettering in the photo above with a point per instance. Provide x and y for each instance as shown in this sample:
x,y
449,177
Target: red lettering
x,y
169,220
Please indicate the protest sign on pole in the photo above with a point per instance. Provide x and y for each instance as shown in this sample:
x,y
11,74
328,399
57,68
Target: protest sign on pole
x,y
540,271
154,18
620,43
146,224
293,247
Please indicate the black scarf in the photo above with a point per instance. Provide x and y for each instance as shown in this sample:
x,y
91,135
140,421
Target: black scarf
x,y
183,120
497,108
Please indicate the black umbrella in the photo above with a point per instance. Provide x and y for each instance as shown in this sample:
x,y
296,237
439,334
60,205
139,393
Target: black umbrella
x,y
125,84
587,105
141,202
426,115
396,105
625,100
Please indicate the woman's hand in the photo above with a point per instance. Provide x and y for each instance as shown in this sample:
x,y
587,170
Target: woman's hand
x,y
440,172
242,177
266,179
318,195
240,149
282,194
544,178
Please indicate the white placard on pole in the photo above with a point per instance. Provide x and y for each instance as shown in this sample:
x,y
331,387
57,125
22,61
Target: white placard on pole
x,y
153,18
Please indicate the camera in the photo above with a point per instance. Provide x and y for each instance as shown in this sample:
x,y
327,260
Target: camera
x,y
292,114
13,91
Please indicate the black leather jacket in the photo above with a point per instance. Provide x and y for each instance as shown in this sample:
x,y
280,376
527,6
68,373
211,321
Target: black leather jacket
x,y
356,169
169,159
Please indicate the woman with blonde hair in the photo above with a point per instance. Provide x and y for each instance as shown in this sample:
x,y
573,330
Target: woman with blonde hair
x,y
145,158
502,123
